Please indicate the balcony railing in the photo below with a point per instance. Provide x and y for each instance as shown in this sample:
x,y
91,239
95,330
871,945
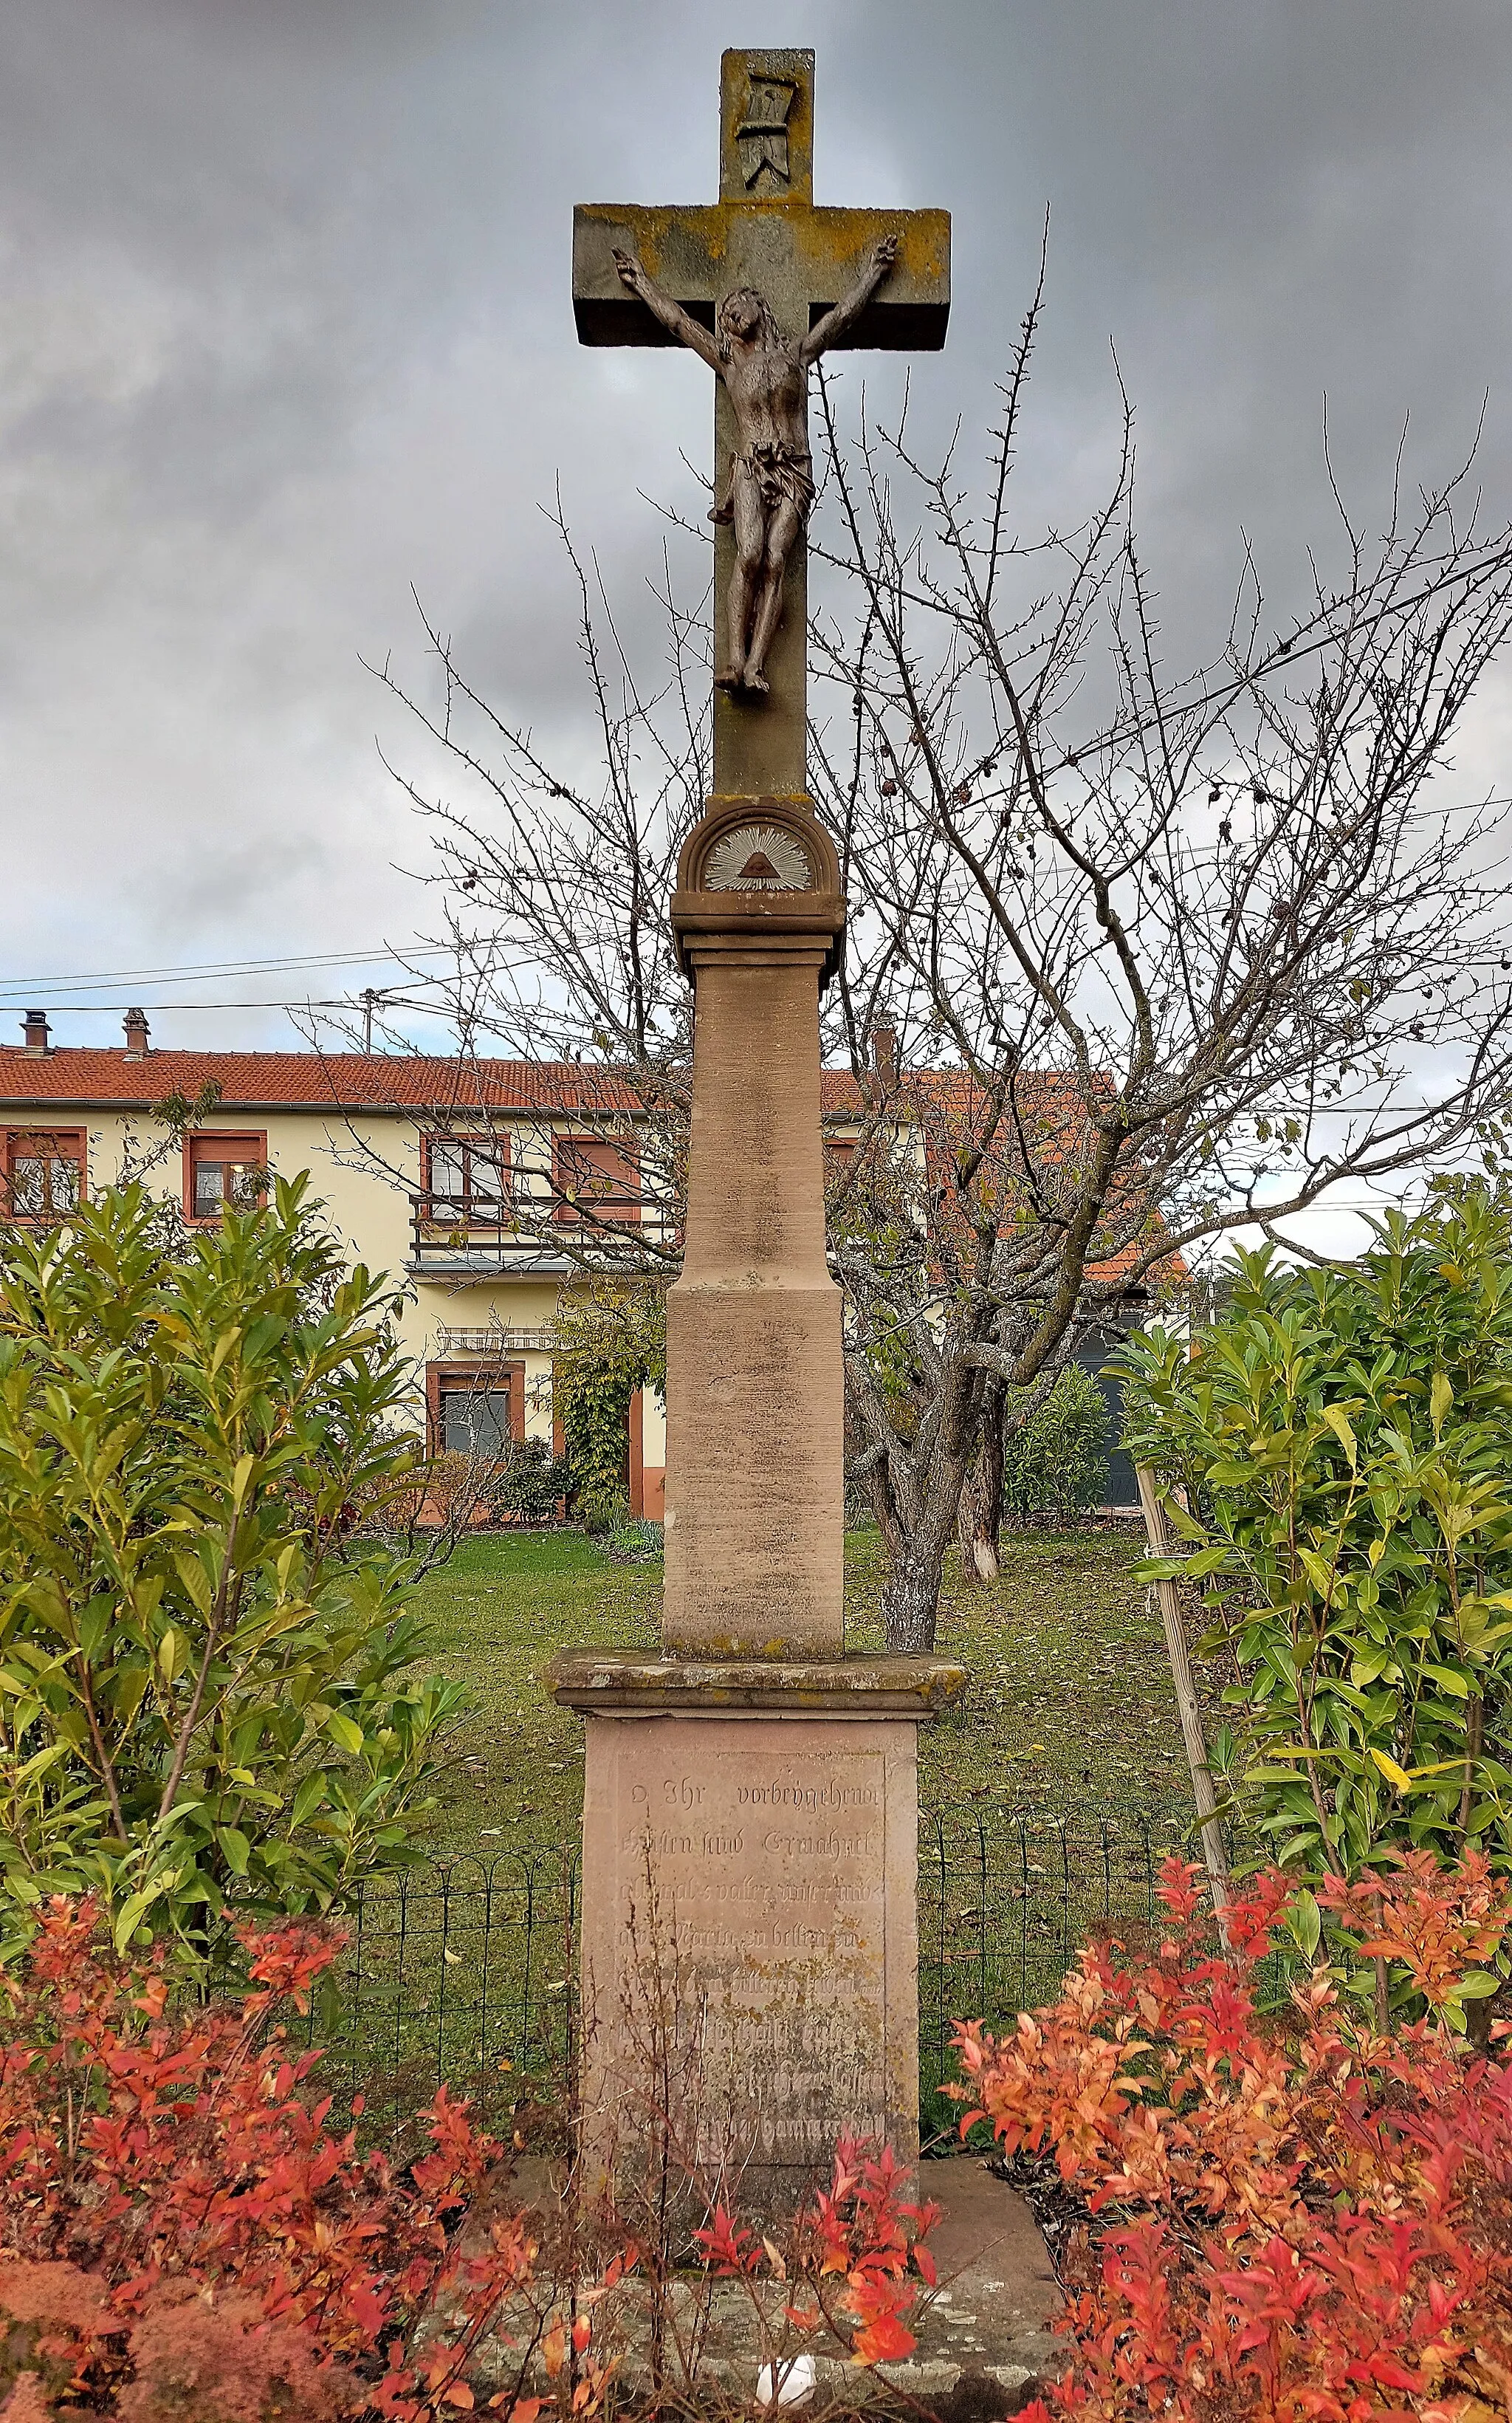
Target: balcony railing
x,y
494,1342
456,1234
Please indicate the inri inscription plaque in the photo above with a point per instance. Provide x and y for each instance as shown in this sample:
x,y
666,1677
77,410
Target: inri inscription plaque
x,y
771,1870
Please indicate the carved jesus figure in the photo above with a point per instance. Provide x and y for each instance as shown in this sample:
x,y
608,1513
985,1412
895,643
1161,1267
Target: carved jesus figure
x,y
771,473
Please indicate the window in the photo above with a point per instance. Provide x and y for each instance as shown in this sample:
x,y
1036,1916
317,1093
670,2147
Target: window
x,y
475,1409
466,1176
43,1172
225,1173
475,1421
601,1173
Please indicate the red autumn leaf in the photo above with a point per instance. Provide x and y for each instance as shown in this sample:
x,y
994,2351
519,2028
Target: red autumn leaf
x,y
884,2341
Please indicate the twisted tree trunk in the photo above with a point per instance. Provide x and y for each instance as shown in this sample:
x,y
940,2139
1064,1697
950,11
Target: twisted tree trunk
x,y
980,1519
915,1487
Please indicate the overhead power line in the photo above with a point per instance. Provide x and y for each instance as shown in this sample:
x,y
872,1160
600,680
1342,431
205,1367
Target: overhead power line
x,y
348,1002
383,957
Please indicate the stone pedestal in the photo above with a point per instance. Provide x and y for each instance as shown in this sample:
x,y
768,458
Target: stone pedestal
x,y
750,1842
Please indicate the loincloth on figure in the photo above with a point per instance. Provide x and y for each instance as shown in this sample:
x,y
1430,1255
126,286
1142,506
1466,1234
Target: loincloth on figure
x,y
782,474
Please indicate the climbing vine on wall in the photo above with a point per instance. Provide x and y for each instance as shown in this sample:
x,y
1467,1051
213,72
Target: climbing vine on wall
x,y
608,1341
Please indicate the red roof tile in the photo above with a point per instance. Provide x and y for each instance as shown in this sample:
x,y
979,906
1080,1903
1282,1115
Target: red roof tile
x,y
82,1079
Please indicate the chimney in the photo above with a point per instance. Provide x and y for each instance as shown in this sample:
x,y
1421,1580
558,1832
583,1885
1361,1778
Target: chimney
x,y
138,1033
35,1028
885,1054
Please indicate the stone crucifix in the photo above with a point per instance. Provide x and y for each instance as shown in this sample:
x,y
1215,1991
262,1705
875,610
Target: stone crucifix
x,y
759,284
751,1789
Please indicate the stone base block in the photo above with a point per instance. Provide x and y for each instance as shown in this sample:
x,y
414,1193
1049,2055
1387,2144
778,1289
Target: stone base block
x,y
985,2346
749,1934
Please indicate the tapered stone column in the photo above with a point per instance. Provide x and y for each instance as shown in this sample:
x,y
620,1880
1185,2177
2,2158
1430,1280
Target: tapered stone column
x,y
755,1468
751,1797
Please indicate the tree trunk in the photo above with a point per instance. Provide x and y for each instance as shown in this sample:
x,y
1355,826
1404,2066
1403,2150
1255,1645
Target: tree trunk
x,y
915,1488
910,1596
981,1516
916,1562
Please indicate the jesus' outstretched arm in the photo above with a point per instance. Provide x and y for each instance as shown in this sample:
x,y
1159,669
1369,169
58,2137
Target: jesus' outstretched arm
x,y
849,308
671,314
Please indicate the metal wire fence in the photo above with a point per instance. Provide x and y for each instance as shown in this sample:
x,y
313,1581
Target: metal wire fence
x,y
460,1973
1004,1899
463,1970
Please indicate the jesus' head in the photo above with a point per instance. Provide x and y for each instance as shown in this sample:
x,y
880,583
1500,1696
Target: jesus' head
x,y
745,317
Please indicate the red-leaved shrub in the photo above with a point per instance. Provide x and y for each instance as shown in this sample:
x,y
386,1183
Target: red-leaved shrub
x,y
180,2237
1304,2222
183,2241
863,2236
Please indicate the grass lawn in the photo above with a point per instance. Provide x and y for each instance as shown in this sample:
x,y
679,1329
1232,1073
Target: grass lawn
x,y
1069,1704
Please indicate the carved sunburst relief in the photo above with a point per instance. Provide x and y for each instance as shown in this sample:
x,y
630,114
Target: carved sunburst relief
x,y
757,857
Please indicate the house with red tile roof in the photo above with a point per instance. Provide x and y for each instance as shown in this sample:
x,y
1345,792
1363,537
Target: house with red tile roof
x,y
419,1161
427,1167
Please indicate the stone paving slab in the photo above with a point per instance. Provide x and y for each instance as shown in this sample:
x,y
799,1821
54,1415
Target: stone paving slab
x,y
986,2343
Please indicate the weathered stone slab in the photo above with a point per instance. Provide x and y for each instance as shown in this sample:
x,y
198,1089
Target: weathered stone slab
x,y
887,1684
763,1869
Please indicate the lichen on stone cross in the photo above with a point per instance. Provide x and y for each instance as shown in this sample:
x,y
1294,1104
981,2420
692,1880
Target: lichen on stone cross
x,y
757,284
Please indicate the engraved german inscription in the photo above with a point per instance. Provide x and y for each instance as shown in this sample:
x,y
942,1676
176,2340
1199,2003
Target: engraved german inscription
x,y
766,1847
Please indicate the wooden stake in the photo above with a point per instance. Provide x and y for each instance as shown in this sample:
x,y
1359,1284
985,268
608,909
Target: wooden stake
x,y
1187,1708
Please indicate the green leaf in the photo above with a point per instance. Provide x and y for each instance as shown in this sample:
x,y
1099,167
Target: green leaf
x,y
1440,1397
1370,1666
1208,1560
1458,1686
1338,1422
346,1734
39,1762
1320,1572
94,1628
135,1907
1304,1923
237,1849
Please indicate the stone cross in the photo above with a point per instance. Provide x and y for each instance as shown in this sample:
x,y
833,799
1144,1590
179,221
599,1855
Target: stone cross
x,y
763,232
750,1800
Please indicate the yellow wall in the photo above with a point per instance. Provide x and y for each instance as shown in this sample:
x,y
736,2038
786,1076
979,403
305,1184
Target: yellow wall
x,y
365,1171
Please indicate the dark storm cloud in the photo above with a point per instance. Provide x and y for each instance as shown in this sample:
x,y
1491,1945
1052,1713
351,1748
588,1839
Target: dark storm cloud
x,y
284,327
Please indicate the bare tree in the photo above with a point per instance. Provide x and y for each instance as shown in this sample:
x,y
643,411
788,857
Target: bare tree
x,y
1165,956
560,948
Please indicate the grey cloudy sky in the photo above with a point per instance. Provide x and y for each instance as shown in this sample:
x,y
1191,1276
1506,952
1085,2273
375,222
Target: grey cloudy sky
x,y
285,328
